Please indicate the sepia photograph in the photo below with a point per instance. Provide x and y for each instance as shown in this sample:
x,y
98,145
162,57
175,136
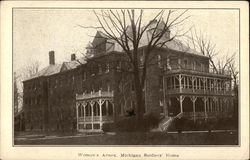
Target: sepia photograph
x,y
127,80
118,76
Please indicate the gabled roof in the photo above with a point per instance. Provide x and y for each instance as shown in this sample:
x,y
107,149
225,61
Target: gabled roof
x,y
72,64
49,70
57,68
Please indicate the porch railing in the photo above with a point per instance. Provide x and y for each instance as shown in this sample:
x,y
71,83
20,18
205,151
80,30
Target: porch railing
x,y
95,118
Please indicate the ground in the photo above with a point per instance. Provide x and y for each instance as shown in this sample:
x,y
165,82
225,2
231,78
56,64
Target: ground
x,y
219,137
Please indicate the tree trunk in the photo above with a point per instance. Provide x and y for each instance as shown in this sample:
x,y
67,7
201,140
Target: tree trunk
x,y
139,99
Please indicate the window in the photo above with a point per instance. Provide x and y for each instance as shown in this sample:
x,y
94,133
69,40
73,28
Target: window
x,y
141,61
107,68
185,63
159,60
92,70
119,66
84,76
174,63
99,69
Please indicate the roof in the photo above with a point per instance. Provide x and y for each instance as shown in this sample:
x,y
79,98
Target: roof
x,y
49,70
72,64
174,44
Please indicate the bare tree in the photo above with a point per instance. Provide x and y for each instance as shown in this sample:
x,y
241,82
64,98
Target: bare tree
x,y
19,76
233,67
203,45
31,69
126,28
16,94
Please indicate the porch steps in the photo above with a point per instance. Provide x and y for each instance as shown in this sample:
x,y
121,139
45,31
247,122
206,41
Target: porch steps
x,y
166,122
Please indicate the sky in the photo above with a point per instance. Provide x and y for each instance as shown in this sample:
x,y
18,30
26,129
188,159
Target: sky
x,y
38,31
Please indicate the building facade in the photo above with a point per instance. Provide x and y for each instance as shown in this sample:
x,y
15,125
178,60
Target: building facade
x,y
85,93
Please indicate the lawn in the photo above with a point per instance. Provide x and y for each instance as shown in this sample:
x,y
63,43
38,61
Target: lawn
x,y
142,138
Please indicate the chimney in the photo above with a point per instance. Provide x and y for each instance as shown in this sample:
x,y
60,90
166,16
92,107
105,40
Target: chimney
x,y
73,57
51,57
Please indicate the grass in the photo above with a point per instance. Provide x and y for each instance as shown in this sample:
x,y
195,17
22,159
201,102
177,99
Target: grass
x,y
142,138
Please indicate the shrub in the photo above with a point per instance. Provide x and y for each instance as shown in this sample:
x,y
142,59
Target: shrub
x,y
108,127
130,124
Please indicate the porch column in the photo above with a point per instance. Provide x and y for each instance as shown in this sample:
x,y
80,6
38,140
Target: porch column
x,y
84,113
215,104
205,105
77,127
211,104
184,82
107,103
208,106
171,84
180,85
181,100
204,84
81,110
92,113
174,82
100,102
193,99
224,106
199,83
210,84
192,83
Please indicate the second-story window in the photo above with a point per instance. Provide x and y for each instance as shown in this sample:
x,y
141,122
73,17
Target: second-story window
x,y
107,68
119,66
185,64
84,76
159,60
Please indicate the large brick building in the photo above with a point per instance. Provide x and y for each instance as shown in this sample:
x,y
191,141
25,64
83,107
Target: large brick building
x,y
87,92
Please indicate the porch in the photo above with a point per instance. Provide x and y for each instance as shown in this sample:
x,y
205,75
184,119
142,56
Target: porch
x,y
93,110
